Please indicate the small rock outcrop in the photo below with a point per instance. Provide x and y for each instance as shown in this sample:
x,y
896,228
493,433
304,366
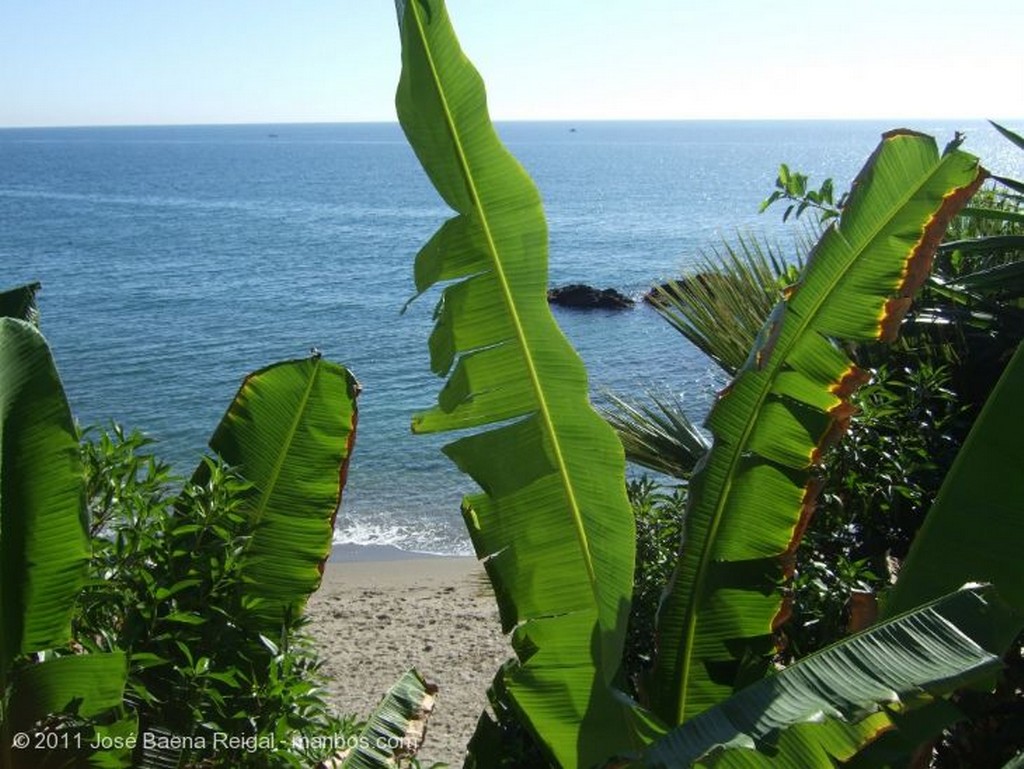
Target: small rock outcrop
x,y
582,297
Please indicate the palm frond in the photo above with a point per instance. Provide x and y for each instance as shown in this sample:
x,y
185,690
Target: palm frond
x,y
657,435
722,304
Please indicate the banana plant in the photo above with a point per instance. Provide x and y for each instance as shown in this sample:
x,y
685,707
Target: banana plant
x,y
553,525
751,499
43,551
396,728
554,549
927,645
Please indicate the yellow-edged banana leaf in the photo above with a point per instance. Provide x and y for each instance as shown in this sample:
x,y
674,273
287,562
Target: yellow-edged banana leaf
x,y
43,543
289,432
825,708
753,494
975,528
553,524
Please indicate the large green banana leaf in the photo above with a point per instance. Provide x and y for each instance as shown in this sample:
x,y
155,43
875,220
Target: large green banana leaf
x,y
289,432
396,727
43,544
975,528
89,686
553,525
751,498
826,707
83,684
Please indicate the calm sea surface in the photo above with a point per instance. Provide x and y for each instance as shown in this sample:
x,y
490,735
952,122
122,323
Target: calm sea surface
x,y
175,260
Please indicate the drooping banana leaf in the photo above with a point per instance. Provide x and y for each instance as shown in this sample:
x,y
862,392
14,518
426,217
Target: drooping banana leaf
x,y
1005,281
289,432
829,705
553,524
751,499
975,528
20,303
161,750
86,686
43,544
81,684
396,728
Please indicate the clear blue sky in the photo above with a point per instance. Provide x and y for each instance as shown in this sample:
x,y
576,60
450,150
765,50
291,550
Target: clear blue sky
x,y
125,62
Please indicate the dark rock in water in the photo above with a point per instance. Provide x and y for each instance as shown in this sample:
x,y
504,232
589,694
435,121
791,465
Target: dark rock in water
x,y
583,297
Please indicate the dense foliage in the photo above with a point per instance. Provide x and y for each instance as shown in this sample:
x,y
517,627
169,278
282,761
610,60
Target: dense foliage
x,y
715,696
155,622
735,629
165,586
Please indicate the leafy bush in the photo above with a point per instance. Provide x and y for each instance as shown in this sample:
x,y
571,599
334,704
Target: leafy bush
x,y
165,586
879,484
659,528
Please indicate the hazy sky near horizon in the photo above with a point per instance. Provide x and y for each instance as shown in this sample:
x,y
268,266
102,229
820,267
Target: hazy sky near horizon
x,y
133,62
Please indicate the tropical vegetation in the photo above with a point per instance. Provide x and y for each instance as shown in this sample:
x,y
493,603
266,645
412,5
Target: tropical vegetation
x,y
153,622
552,534
797,599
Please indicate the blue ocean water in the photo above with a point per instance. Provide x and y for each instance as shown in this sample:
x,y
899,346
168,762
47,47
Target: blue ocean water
x,y
174,260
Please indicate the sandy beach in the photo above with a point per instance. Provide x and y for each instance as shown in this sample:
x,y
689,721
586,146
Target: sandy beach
x,y
374,619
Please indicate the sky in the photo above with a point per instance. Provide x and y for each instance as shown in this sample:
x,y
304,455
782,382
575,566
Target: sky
x,y
139,62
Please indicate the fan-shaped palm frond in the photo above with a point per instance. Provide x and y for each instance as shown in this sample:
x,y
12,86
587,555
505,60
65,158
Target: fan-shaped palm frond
x,y
722,305
657,435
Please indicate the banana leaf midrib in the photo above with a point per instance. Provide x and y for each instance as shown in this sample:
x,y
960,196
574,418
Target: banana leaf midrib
x,y
268,490
506,294
778,356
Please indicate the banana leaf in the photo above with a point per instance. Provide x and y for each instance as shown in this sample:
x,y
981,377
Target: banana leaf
x,y
975,528
1013,136
1004,281
553,524
989,243
396,728
43,543
85,685
89,688
753,494
823,709
289,431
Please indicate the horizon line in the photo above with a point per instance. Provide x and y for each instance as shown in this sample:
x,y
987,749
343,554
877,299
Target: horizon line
x,y
581,121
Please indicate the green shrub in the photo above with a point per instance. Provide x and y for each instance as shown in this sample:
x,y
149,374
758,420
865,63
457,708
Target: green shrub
x,y
659,528
165,587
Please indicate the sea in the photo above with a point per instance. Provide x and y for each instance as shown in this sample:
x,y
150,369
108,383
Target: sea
x,y
174,260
